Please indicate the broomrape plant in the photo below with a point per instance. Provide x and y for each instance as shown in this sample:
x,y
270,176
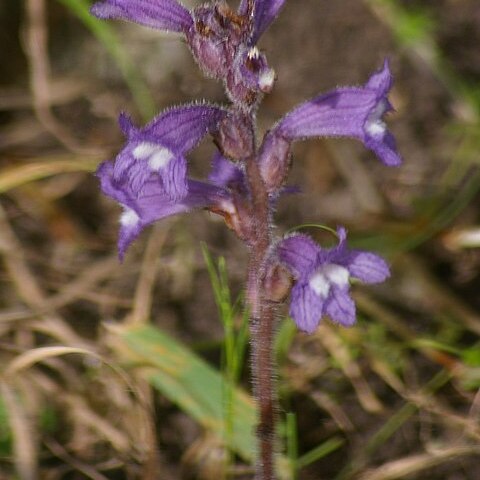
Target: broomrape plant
x,y
149,177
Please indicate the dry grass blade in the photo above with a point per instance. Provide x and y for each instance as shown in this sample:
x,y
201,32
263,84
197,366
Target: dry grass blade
x,y
81,414
443,297
19,175
28,288
418,463
79,410
142,304
332,342
25,451
337,413
84,282
394,323
358,176
36,49
82,467
143,295
30,357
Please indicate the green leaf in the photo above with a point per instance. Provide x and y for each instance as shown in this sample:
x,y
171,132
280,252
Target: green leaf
x,y
196,387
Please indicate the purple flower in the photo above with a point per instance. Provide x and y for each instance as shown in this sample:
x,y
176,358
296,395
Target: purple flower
x,y
159,148
162,14
322,278
345,112
152,204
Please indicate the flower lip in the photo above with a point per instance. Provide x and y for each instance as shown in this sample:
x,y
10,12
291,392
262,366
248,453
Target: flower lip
x,y
322,278
153,203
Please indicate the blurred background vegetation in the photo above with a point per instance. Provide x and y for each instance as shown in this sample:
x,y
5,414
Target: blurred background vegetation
x,y
139,371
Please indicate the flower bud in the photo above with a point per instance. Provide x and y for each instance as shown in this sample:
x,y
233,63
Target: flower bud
x,y
234,137
278,283
274,160
214,37
249,76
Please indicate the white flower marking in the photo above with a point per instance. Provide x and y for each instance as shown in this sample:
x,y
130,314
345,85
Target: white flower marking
x,y
157,156
375,126
319,284
266,80
323,278
129,218
144,150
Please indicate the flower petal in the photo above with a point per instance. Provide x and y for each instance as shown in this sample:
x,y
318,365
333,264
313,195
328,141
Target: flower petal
x,y
341,112
130,228
381,81
126,124
180,129
174,178
340,307
299,253
367,267
162,14
306,307
225,173
264,13
160,146
385,148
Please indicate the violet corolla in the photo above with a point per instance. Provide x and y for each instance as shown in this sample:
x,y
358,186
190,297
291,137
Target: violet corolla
x,y
322,278
356,112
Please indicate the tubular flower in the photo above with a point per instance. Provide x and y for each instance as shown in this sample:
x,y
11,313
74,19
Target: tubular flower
x,y
153,203
322,278
344,112
159,148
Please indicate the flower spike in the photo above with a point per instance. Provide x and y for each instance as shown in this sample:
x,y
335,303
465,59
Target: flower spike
x,y
322,278
161,14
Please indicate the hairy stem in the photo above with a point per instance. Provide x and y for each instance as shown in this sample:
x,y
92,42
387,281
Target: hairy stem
x,y
262,316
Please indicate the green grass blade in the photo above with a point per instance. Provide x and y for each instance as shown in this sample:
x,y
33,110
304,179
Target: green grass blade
x,y
292,443
5,432
106,35
320,451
